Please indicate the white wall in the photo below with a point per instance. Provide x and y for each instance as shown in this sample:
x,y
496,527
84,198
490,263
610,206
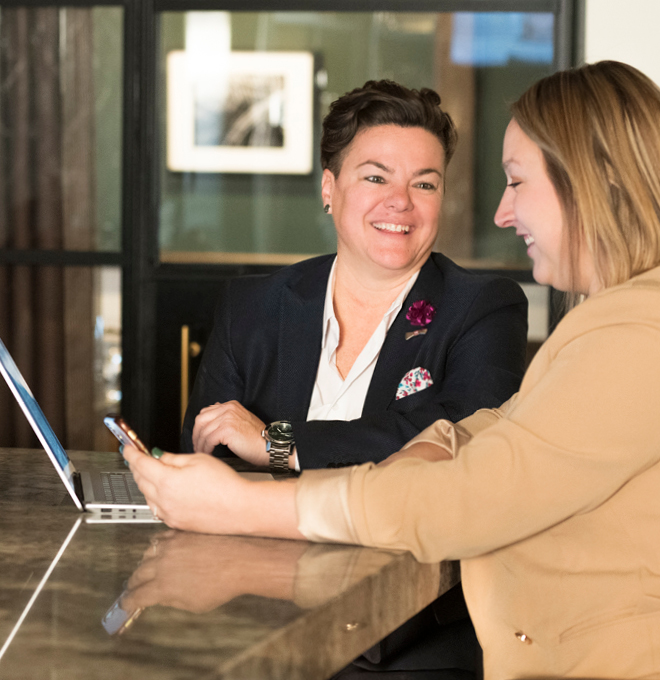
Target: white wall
x,y
624,30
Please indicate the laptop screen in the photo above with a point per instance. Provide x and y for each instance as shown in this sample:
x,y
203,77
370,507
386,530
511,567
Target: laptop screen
x,y
37,420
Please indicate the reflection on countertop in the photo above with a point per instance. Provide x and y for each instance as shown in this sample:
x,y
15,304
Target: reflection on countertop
x,y
209,606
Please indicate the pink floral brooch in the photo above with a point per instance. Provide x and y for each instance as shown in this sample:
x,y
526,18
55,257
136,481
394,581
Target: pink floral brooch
x,y
421,313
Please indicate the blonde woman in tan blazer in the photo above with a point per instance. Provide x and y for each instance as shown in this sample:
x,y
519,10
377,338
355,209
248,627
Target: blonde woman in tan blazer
x,y
552,502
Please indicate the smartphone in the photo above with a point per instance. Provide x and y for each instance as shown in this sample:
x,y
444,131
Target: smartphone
x,y
124,432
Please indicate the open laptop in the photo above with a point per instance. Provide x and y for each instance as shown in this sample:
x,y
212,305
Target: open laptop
x,y
112,495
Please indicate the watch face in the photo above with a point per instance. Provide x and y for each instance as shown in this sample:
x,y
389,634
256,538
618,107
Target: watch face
x,y
280,431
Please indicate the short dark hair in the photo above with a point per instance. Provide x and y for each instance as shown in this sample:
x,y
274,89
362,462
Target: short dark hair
x,y
383,102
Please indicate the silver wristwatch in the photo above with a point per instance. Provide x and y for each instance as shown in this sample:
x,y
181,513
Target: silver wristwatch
x,y
279,445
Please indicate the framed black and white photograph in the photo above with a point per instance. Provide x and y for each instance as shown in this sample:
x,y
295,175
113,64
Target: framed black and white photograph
x,y
251,112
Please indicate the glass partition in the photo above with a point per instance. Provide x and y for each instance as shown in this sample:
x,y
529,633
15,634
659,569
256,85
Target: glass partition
x,y
241,97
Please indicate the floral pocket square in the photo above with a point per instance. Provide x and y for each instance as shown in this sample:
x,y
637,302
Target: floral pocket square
x,y
415,380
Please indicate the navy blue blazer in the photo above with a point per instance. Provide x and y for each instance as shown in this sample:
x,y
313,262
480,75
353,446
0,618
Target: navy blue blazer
x,y
266,342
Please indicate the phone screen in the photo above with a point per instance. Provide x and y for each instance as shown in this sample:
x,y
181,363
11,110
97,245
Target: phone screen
x,y
124,432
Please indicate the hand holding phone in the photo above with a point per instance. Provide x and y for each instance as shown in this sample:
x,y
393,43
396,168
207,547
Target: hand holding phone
x,y
124,432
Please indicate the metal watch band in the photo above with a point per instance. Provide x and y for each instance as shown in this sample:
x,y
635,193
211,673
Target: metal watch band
x,y
279,454
279,445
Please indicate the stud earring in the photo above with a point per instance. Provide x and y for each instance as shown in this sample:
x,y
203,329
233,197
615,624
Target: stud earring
x,y
326,208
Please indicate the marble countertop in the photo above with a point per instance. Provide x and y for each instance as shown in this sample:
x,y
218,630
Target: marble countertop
x,y
203,606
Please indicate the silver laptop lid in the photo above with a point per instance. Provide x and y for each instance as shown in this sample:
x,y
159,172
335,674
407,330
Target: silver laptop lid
x,y
38,421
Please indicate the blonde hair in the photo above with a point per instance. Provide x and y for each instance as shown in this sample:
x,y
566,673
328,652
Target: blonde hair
x,y
598,127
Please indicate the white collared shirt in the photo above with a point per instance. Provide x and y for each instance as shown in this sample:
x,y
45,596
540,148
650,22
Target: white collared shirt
x,y
335,398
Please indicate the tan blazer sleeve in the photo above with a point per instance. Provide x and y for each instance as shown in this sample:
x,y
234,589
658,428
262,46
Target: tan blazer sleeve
x,y
450,436
328,489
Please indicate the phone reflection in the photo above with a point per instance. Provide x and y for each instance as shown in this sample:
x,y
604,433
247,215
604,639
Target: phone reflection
x,y
199,573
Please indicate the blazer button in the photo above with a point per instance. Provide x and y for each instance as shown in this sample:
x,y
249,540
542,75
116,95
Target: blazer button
x,y
524,638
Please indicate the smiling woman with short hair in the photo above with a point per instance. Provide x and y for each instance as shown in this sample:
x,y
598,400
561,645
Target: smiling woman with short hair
x,y
334,347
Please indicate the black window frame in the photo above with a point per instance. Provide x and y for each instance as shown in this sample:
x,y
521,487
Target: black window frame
x,y
138,257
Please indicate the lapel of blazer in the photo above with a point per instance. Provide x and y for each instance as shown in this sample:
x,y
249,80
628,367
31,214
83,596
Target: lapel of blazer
x,y
299,341
398,355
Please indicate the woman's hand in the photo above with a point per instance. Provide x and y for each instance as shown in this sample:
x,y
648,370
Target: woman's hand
x,y
234,426
187,491
200,493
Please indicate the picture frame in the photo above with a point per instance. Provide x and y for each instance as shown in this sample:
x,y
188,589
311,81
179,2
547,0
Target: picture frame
x,y
240,112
